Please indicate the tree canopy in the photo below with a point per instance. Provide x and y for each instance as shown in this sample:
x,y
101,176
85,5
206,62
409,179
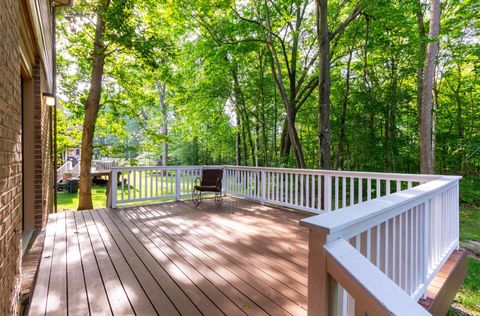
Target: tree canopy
x,y
242,82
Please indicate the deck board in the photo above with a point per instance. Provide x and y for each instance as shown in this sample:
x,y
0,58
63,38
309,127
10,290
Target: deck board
x,y
247,256
98,303
40,293
242,258
140,303
77,293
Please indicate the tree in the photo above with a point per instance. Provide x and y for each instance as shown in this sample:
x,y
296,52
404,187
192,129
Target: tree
x,y
92,106
107,31
238,68
324,39
162,92
426,149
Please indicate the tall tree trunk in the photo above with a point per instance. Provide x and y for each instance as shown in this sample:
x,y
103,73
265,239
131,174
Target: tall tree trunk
x,y
289,107
237,142
341,140
242,109
92,107
458,120
257,136
426,150
324,85
162,90
275,120
285,143
265,144
244,146
434,120
421,55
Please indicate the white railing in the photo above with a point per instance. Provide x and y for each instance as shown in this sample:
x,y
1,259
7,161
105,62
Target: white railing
x,y
101,165
136,184
315,190
76,170
65,168
302,189
407,236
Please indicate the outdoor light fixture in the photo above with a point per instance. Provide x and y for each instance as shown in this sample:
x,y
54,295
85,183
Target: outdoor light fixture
x,y
49,99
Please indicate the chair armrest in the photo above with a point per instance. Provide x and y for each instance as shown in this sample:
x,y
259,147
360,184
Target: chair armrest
x,y
219,183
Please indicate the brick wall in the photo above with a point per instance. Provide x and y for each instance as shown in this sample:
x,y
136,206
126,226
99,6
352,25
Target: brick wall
x,y
11,209
10,158
42,151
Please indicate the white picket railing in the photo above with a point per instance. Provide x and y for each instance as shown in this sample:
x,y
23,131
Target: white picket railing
x,y
401,227
65,168
101,165
301,189
407,236
135,184
76,170
315,190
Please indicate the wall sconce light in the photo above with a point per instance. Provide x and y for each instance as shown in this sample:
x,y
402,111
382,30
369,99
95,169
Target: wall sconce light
x,y
49,99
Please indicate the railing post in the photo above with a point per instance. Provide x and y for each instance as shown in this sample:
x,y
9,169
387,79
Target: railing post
x,y
112,192
327,195
225,181
109,192
177,184
426,247
318,278
456,205
264,187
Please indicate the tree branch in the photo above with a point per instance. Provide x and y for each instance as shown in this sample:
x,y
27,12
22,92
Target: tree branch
x,y
353,15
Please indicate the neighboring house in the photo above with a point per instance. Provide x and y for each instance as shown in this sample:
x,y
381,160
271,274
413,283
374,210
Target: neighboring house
x,y
26,173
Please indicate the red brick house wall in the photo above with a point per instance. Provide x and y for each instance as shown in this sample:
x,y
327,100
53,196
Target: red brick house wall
x,y
43,174
10,157
24,53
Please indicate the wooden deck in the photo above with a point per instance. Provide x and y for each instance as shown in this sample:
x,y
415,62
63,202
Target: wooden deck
x,y
174,259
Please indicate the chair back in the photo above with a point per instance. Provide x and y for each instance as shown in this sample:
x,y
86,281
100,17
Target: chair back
x,y
210,176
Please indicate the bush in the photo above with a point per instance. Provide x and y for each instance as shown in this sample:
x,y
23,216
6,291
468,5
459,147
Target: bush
x,y
470,191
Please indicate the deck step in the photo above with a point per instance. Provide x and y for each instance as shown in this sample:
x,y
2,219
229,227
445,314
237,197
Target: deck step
x,y
444,286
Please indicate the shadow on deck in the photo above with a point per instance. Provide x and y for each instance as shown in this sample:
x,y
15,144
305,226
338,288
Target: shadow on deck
x,y
173,258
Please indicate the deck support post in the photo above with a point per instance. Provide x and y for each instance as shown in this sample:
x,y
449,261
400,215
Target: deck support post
x,y
318,277
177,184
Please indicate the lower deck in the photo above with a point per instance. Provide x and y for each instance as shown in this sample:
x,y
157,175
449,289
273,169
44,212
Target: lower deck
x,y
174,259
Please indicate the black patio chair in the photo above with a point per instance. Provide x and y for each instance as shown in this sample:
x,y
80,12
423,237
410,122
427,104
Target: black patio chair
x,y
211,181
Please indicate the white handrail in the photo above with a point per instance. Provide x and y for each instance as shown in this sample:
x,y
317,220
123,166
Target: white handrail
x,y
407,235
356,174
151,183
368,285
65,168
302,189
315,190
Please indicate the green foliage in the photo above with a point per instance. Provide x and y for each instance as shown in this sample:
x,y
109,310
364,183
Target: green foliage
x,y
200,48
137,56
69,201
468,296
469,223
470,191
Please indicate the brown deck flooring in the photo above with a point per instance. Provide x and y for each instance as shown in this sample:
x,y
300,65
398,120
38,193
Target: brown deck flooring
x,y
173,258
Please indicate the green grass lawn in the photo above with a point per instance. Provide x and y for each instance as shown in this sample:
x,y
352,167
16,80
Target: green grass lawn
x,y
69,201
468,297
